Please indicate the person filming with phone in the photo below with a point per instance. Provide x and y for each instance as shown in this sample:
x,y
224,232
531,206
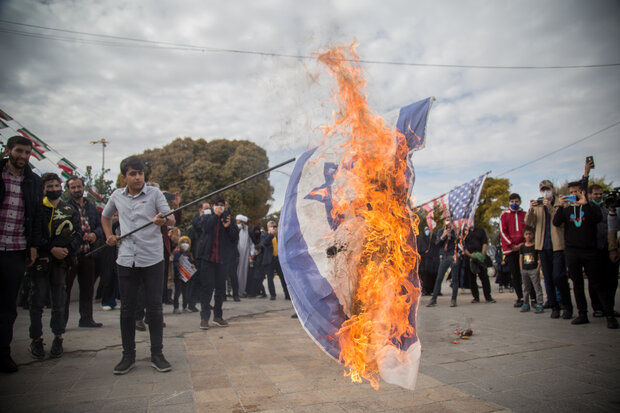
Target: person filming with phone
x,y
580,219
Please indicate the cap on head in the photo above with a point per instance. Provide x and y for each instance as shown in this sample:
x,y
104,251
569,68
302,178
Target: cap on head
x,y
545,184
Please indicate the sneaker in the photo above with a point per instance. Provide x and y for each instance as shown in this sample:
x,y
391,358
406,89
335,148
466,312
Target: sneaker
x,y
7,365
140,326
597,314
187,310
126,364
490,300
193,309
432,303
220,322
539,309
204,324
518,303
159,362
525,308
580,319
176,311
36,349
56,350
453,303
568,314
89,324
612,322
555,313
475,300
107,308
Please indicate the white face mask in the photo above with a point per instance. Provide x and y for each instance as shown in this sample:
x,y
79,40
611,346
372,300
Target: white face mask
x,y
184,246
547,194
240,225
206,212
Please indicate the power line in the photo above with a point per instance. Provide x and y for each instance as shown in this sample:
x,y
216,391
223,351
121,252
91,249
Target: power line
x,y
206,49
560,149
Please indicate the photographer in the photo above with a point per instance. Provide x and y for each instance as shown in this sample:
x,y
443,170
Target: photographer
x,y
580,220
211,231
610,266
549,242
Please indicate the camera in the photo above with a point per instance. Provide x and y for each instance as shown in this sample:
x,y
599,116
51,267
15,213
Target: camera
x,y
539,201
612,197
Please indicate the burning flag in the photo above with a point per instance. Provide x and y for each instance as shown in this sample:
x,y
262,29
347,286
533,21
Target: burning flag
x,y
347,235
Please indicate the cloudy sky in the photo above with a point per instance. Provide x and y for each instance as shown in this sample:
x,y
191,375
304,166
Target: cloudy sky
x,y
187,78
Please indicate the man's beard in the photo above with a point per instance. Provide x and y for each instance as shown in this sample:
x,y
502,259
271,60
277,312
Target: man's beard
x,y
14,161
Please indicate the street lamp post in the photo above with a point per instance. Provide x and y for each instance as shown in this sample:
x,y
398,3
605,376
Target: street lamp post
x,y
103,143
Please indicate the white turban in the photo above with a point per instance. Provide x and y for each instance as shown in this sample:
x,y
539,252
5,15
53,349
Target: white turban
x,y
242,218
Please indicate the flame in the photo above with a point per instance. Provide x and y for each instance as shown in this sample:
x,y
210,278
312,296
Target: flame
x,y
373,167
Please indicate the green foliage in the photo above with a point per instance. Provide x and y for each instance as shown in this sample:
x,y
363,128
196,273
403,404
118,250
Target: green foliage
x,y
493,200
195,168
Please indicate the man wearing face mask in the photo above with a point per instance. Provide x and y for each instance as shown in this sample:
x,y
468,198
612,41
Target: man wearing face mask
x,y
609,267
549,242
211,231
49,272
511,224
245,248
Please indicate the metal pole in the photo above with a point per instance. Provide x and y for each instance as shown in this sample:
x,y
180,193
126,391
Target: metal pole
x,y
195,201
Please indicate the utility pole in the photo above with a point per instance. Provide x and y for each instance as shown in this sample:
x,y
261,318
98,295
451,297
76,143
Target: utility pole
x,y
103,143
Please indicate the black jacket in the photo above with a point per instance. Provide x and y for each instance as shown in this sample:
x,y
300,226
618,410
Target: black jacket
x,y
204,228
579,232
32,190
94,217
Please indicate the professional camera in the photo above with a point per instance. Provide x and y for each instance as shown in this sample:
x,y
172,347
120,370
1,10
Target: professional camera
x,y
612,198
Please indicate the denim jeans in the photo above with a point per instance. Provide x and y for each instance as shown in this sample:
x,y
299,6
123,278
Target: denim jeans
x,y
130,279
553,265
445,263
212,279
44,284
12,268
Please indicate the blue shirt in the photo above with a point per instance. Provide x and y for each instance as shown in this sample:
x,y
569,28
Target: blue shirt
x,y
145,247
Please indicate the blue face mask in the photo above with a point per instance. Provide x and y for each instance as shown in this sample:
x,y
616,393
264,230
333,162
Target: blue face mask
x,y
514,207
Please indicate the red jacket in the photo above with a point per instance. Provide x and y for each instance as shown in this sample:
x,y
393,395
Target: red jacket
x,y
511,225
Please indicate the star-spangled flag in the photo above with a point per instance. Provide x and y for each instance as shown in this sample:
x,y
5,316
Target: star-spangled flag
x,y
429,207
463,201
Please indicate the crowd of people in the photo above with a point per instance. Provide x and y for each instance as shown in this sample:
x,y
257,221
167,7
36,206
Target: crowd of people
x,y
47,243
561,238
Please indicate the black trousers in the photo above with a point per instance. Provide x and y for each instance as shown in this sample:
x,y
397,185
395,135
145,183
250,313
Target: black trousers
x,y
271,269
484,279
512,260
192,290
212,280
84,271
180,289
44,284
231,275
578,260
12,268
610,281
130,279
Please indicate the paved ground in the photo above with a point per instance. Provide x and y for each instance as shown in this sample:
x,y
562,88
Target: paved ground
x,y
265,362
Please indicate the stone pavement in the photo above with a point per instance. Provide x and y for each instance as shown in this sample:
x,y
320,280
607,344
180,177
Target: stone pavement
x,y
265,362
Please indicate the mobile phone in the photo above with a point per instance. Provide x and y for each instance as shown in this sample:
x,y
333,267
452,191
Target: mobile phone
x,y
590,159
169,196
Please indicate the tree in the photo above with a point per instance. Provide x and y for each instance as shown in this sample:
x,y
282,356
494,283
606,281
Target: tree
x,y
606,185
493,200
195,168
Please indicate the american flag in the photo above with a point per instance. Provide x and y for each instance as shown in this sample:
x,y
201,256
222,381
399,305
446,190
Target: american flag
x,y
463,201
441,201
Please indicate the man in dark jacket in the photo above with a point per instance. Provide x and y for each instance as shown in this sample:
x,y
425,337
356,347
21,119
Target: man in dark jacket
x,y
271,262
211,231
49,272
580,220
476,243
21,197
84,269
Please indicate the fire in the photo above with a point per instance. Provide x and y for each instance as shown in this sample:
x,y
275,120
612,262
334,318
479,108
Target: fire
x,y
375,196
